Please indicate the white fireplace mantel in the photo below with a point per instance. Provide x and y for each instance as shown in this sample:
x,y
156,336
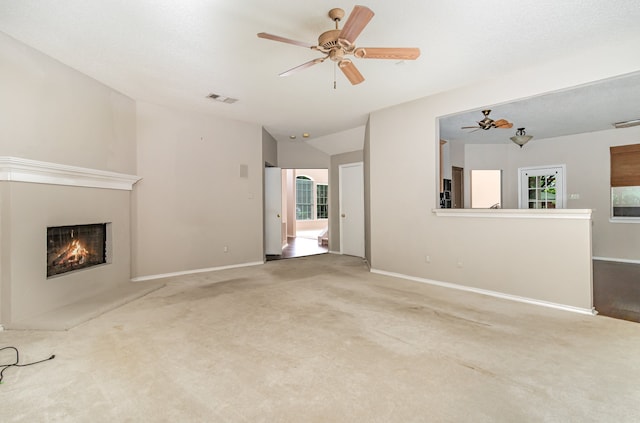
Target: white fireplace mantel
x,y
15,169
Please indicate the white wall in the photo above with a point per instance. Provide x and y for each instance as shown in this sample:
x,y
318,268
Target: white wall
x,y
496,254
586,157
192,200
290,191
484,157
456,154
269,149
50,112
446,160
296,154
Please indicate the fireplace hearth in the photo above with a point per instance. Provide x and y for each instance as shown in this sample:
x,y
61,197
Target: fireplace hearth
x,y
75,247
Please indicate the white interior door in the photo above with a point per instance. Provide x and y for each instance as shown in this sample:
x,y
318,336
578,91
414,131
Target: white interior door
x,y
541,187
273,210
352,209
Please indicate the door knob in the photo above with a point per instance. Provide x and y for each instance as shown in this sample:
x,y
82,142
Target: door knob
x,y
278,214
344,215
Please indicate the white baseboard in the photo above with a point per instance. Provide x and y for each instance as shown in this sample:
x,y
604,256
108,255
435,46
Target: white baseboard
x,y
618,260
190,272
496,294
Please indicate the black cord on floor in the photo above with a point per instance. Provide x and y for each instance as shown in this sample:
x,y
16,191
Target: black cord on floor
x,y
6,366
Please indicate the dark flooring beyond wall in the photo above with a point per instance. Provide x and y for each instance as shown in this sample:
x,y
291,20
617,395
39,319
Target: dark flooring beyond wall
x,y
300,247
616,289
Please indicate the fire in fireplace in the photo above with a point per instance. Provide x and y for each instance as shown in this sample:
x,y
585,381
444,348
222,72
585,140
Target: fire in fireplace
x,y
75,247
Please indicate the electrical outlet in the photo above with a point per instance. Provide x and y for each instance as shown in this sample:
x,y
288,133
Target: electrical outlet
x,y
460,264
225,249
427,259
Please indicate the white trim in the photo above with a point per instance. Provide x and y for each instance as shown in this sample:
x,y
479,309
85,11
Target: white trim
x,y
190,272
618,260
15,169
517,213
496,294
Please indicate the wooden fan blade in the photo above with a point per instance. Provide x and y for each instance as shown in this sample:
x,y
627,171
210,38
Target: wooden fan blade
x,y
501,123
357,20
470,127
283,40
398,53
303,66
350,71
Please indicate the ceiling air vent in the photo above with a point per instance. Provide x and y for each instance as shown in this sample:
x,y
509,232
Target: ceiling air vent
x,y
222,99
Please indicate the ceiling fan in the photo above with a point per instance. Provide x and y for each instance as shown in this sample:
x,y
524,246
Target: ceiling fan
x,y
488,123
337,43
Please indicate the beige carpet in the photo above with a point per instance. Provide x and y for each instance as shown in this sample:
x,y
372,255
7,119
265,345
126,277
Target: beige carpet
x,y
320,339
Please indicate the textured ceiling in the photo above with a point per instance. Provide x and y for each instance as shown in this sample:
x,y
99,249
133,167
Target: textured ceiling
x,y
177,52
589,108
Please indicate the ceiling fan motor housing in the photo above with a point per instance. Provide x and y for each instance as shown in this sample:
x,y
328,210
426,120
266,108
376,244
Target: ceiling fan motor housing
x,y
329,39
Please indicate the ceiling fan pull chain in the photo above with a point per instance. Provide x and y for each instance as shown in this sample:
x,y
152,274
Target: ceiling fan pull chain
x,y
334,74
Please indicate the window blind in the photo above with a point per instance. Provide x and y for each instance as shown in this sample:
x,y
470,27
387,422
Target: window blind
x,y
625,165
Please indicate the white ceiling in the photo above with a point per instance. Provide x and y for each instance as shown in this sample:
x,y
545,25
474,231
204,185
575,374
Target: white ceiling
x,y
175,53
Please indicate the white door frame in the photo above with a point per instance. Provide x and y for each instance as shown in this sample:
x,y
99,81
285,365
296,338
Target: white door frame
x,y
561,183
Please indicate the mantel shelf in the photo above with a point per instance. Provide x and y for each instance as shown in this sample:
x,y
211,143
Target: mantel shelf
x,y
15,169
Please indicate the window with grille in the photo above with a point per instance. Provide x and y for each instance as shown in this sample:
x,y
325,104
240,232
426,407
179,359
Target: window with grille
x,y
304,198
625,181
322,203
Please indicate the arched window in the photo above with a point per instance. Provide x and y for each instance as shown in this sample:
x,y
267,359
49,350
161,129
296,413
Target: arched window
x,y
304,198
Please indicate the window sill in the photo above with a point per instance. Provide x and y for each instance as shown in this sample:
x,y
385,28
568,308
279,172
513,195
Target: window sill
x,y
624,220
516,213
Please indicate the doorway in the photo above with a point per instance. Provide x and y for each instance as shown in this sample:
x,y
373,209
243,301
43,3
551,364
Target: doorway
x,y
457,187
302,200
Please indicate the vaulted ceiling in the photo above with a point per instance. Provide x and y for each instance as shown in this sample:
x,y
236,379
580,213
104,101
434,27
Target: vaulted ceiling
x,y
175,53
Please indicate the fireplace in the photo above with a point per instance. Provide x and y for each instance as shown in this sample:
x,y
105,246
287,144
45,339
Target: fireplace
x,y
76,247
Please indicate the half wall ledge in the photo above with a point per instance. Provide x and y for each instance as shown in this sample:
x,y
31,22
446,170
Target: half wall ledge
x,y
516,213
15,169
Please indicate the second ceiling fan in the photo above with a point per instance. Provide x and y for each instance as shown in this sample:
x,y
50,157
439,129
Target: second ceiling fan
x,y
488,123
337,43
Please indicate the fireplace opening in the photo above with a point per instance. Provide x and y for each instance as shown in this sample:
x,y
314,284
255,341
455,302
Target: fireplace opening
x,y
75,247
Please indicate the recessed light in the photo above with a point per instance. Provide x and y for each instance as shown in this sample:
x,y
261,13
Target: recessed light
x,y
293,137
305,135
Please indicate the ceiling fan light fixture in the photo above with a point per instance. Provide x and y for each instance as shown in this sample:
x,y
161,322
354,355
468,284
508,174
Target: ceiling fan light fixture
x,y
521,137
